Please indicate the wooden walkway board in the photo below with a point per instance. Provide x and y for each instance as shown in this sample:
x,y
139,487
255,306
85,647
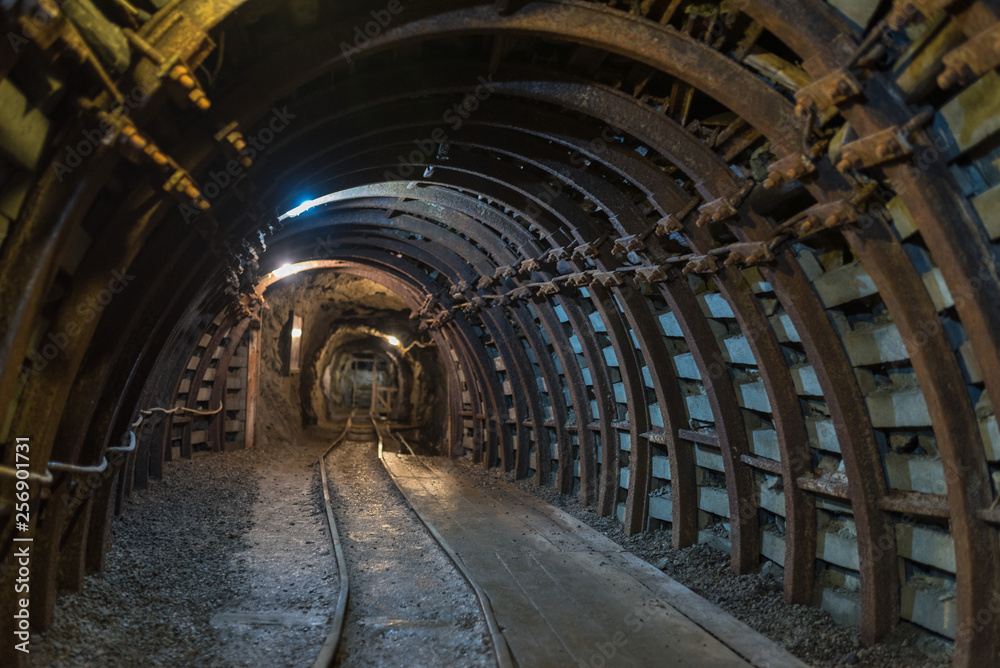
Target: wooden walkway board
x,y
564,594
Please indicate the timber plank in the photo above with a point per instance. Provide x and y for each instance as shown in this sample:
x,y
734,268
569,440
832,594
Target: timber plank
x,y
565,594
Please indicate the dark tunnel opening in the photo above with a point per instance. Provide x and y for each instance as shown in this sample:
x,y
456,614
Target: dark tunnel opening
x,y
344,320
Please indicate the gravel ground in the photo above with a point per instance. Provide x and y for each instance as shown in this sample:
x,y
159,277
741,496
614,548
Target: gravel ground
x,y
199,561
408,605
807,632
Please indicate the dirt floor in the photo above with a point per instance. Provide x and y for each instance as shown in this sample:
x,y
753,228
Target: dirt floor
x,y
225,562
807,632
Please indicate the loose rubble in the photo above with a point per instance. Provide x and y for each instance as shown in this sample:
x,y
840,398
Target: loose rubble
x,y
234,534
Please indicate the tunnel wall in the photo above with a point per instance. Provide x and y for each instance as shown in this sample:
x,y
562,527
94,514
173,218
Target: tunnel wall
x,y
723,268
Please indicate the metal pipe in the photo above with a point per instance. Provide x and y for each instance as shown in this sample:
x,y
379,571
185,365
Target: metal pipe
x,y
45,479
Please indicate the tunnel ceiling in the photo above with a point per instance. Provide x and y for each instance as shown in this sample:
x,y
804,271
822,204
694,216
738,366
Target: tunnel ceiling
x,y
636,231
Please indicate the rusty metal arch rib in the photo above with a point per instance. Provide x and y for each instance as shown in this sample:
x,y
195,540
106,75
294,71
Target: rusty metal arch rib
x,y
737,106
749,553
807,27
497,253
410,116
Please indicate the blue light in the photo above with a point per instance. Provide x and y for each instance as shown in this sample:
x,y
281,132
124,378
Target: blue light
x,y
305,206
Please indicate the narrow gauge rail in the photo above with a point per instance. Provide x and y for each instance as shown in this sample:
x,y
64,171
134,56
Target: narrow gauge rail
x,y
367,430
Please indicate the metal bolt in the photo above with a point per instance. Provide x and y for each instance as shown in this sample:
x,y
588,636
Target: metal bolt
x,y
948,78
188,189
199,99
133,137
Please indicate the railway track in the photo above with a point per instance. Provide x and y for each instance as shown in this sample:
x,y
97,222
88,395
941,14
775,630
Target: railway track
x,y
370,430
328,651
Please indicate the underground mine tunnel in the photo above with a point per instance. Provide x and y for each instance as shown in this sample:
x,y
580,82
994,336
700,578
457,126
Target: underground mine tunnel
x,y
398,332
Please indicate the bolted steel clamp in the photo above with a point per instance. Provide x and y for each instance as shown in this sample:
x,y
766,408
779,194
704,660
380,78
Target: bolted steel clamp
x,y
530,266
906,12
588,250
609,279
580,280
504,272
630,244
703,264
973,59
556,255
520,294
233,144
749,254
649,275
829,91
790,168
717,211
474,305
889,144
826,216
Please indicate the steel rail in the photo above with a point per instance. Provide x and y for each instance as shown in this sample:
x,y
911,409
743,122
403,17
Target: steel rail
x,y
747,551
497,253
501,651
328,651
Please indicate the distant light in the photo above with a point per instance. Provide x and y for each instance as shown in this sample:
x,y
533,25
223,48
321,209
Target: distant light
x,y
284,270
393,341
296,333
305,206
